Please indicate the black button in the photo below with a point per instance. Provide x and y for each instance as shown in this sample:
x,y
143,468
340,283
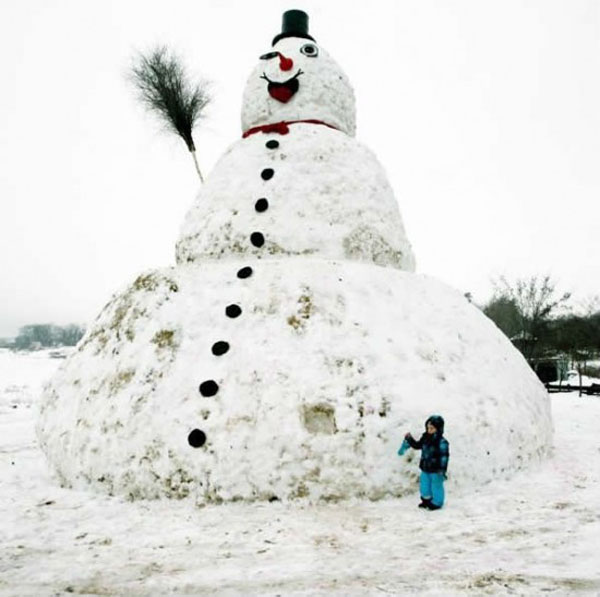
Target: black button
x,y
245,272
272,144
261,205
257,239
197,438
209,388
267,173
233,311
220,347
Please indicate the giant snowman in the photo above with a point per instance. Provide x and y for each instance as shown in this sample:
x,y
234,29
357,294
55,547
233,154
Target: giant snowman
x,y
292,346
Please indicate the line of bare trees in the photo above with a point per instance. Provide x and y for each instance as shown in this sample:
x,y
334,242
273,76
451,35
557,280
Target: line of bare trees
x,y
47,335
541,321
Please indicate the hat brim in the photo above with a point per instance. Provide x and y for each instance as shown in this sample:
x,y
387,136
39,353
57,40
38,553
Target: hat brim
x,y
283,35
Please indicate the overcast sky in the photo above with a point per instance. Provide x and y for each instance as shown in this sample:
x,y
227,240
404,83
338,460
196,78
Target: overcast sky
x,y
484,114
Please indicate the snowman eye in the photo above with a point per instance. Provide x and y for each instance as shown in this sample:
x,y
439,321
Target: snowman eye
x,y
310,50
269,56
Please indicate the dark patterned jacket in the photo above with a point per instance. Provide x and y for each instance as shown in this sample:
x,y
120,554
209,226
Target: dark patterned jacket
x,y
435,449
435,452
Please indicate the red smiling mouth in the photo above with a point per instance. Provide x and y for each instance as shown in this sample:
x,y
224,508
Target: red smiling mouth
x,y
283,92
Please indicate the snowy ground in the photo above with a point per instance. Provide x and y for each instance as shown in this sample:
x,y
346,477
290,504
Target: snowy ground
x,y
535,535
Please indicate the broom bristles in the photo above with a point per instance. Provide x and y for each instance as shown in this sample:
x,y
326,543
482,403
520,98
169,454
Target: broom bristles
x,y
164,89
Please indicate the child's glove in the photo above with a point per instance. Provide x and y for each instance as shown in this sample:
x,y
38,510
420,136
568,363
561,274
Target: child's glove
x,y
403,448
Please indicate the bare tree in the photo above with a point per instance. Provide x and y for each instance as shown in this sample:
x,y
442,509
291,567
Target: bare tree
x,y
71,334
590,305
47,334
537,301
503,311
164,88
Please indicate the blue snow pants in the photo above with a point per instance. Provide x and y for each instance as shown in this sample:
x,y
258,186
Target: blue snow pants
x,y
432,487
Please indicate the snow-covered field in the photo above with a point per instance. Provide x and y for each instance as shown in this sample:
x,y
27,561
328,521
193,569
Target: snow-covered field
x,y
537,534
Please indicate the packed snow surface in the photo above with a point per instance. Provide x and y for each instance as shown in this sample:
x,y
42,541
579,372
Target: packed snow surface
x,y
535,534
328,197
329,363
324,92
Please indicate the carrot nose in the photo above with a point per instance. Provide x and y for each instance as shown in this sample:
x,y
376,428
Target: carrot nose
x,y
285,63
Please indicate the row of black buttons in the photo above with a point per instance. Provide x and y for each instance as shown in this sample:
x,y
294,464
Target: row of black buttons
x,y
208,388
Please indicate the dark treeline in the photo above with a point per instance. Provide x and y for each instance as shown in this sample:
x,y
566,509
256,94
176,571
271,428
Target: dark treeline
x,y
542,324
46,335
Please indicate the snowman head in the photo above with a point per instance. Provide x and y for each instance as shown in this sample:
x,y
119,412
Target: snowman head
x,y
298,80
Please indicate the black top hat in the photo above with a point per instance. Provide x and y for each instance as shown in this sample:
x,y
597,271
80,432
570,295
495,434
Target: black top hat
x,y
294,24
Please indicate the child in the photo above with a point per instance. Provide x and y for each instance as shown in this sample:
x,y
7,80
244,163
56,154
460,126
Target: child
x,y
435,453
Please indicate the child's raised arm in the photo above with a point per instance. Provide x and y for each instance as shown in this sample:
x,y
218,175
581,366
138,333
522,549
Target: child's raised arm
x,y
412,442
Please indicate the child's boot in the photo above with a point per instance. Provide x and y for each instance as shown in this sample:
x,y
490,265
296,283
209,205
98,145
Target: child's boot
x,y
432,506
425,503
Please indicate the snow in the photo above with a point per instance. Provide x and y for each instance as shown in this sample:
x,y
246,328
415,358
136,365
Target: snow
x,y
329,197
574,379
325,93
329,363
533,534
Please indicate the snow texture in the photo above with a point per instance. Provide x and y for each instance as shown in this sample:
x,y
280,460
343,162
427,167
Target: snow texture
x,y
337,348
329,363
535,534
325,93
328,197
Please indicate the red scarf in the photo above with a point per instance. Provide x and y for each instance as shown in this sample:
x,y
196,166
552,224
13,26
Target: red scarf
x,y
283,127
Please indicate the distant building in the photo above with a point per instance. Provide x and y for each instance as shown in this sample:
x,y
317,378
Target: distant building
x,y
551,369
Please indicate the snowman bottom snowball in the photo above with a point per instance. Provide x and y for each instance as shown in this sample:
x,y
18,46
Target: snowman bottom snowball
x,y
226,382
